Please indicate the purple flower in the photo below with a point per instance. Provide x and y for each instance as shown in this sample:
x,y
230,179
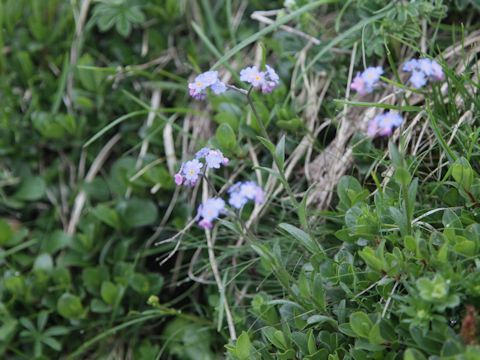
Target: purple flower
x,y
373,127
367,81
209,211
410,65
384,124
209,79
214,159
265,80
423,70
253,76
200,154
237,200
191,171
242,192
418,79
425,66
271,80
178,179
371,75
437,72
218,88
358,84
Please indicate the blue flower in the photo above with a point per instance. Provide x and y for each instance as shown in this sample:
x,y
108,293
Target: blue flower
x,y
200,154
209,211
189,173
418,79
384,124
242,192
367,81
423,70
214,159
265,80
190,170
209,79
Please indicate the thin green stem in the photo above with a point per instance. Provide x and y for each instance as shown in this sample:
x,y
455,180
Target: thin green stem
x,y
408,213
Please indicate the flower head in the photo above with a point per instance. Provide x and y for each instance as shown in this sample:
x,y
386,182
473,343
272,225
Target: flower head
x,y
265,80
371,75
358,84
242,192
209,211
367,81
384,124
214,159
190,170
209,79
252,76
200,154
178,179
423,70
271,80
437,72
418,79
237,200
410,65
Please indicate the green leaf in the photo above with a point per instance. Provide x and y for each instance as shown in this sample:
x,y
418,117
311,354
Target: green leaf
x,y
402,176
413,354
107,215
226,137
243,346
375,336
395,155
292,125
138,212
5,232
93,277
70,306
463,173
43,262
139,283
98,306
268,144
371,258
109,292
31,189
347,189
410,243
466,247
55,241
302,237
361,324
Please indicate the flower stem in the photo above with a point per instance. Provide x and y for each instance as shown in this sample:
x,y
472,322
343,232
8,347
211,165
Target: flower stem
x,y
221,288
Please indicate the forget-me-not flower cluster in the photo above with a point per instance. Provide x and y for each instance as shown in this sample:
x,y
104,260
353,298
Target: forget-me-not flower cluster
x,y
206,158
265,81
209,211
207,80
242,192
384,124
367,81
422,71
